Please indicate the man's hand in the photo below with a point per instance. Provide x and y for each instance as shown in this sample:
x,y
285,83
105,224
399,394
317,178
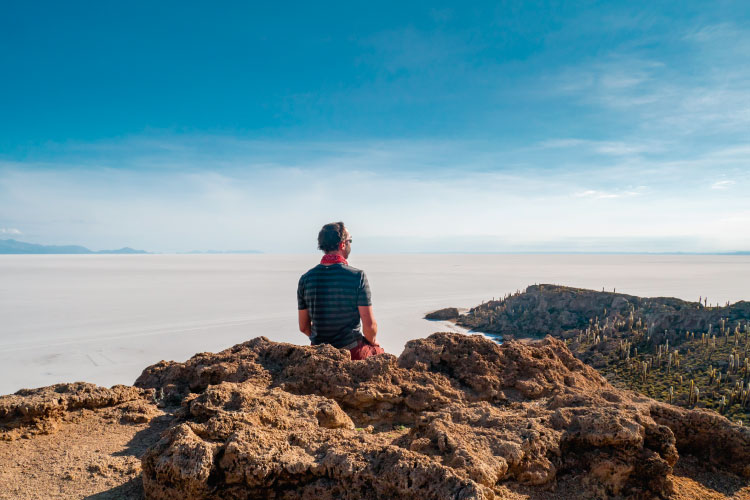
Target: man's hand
x,y
369,326
305,325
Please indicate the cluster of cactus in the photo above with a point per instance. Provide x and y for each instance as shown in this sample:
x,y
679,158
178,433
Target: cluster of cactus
x,y
641,368
734,363
714,375
740,394
665,356
707,339
623,349
593,333
668,360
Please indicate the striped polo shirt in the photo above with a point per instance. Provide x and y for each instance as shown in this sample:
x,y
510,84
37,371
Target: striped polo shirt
x,y
332,294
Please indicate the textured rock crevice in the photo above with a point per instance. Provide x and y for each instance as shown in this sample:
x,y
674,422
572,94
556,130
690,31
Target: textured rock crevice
x,y
39,411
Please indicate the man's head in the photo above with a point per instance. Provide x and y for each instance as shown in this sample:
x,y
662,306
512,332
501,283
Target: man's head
x,y
335,238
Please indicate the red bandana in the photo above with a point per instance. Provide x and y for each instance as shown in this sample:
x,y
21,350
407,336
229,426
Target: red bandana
x,y
333,258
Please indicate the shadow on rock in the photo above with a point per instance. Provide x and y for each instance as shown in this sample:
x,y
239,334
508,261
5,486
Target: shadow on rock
x,y
132,490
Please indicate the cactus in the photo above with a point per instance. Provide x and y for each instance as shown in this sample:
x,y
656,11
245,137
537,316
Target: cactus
x,y
692,392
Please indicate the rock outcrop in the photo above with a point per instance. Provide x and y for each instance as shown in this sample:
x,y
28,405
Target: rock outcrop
x,y
454,416
39,411
447,314
556,310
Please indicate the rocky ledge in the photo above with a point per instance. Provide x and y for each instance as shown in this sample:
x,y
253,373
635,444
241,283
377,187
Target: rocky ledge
x,y
454,416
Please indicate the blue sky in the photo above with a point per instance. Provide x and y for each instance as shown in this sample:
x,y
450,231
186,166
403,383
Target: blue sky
x,y
510,126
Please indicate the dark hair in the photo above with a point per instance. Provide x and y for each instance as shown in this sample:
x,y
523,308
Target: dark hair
x,y
330,236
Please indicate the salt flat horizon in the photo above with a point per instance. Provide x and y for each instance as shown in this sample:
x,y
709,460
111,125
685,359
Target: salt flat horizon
x,y
103,318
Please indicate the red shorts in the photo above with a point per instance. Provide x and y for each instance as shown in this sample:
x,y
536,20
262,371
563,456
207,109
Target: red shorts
x,y
365,349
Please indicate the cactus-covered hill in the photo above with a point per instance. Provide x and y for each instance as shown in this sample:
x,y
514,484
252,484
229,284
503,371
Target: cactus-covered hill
x,y
559,310
676,351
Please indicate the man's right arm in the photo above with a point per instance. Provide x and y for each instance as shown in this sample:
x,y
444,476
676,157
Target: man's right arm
x,y
303,314
305,324
369,325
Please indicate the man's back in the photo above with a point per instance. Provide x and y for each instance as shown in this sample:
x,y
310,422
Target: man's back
x,y
332,294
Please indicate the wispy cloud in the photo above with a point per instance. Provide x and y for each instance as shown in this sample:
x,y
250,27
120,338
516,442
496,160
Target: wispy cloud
x,y
612,148
722,184
9,230
701,92
593,193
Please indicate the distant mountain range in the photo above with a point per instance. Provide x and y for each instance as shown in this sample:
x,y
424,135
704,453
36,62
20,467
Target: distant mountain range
x,y
20,247
213,252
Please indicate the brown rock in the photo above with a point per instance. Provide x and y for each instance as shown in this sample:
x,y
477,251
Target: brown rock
x,y
707,435
35,411
476,415
447,314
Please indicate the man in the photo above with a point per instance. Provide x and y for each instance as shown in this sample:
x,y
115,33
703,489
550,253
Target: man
x,y
333,297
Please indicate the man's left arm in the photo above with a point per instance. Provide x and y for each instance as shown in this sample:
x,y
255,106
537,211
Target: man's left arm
x,y
364,305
